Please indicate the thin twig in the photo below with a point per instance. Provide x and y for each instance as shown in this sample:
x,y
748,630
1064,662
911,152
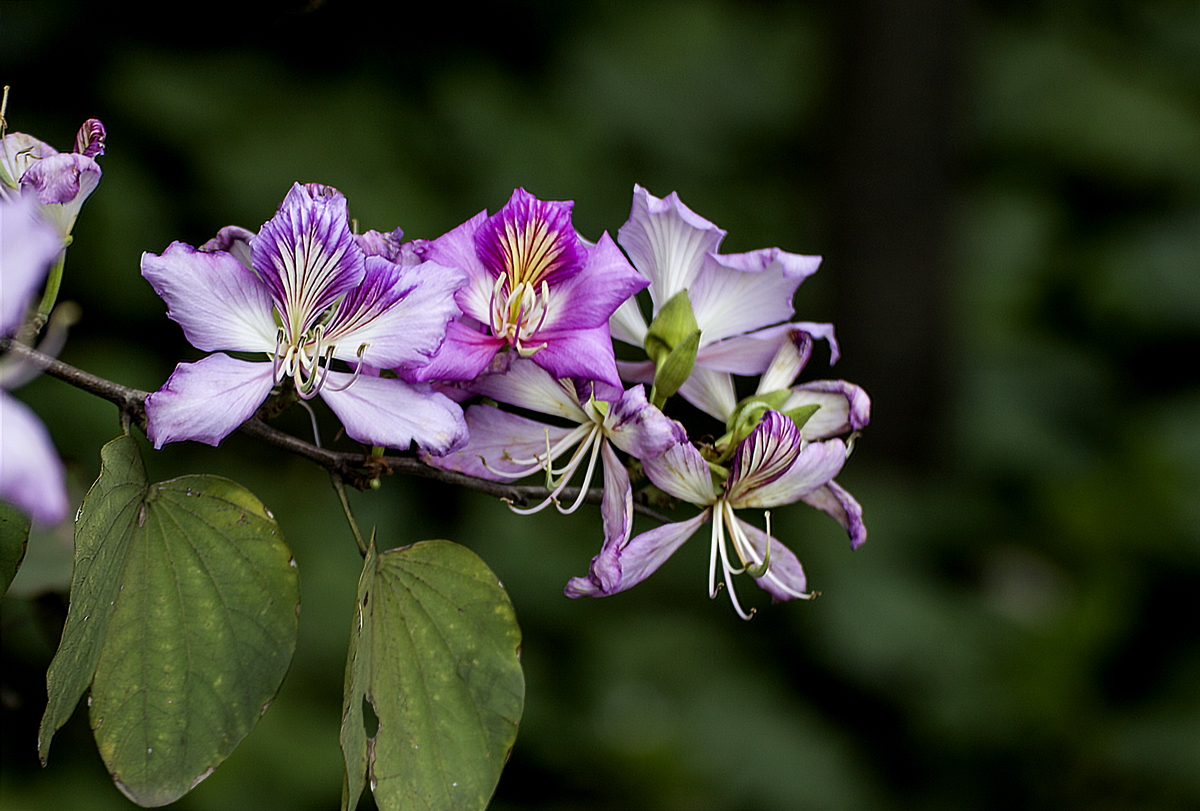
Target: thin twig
x,y
356,469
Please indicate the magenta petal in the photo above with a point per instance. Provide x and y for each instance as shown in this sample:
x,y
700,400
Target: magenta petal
x,y
618,568
456,249
496,438
220,303
785,578
464,355
836,502
530,241
31,474
393,413
586,354
207,400
591,296
65,179
640,429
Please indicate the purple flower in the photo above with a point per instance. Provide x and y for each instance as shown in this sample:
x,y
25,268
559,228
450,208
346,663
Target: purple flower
x,y
735,298
771,467
60,181
31,474
305,294
533,286
505,447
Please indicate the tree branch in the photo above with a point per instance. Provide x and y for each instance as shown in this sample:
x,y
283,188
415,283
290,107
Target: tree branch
x,y
357,469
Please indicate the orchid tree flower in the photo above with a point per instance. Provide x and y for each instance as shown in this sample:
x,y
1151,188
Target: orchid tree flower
x,y
60,181
31,474
535,288
712,314
304,292
772,466
506,447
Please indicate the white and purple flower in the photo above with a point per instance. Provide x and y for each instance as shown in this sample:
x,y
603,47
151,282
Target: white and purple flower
x,y
506,447
535,287
306,293
771,467
31,474
735,298
60,181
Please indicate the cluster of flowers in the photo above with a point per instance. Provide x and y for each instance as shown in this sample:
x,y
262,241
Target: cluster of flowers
x,y
41,192
516,310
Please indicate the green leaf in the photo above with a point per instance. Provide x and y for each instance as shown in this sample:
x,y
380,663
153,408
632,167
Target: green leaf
x,y
434,648
183,619
14,537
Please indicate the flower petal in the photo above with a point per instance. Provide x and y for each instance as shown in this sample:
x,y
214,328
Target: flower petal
x,y
616,507
618,568
580,353
220,303
207,400
496,438
744,292
464,355
400,312
528,385
681,471
784,579
394,413
667,242
588,298
456,249
28,244
640,429
844,407
710,391
627,323
836,502
31,474
816,464
307,255
531,241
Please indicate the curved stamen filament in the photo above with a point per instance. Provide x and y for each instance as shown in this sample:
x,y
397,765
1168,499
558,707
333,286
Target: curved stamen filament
x,y
722,515
357,371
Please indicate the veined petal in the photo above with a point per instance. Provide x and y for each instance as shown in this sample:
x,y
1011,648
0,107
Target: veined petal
x,y
31,474
730,297
306,254
813,467
620,567
763,456
640,429
496,439
667,242
220,303
842,507
394,413
207,400
844,407
63,179
389,244
28,244
681,471
785,578
589,297
399,311
530,241
528,385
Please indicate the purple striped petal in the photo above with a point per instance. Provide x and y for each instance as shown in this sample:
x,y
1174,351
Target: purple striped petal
x,y
763,456
640,429
207,400
306,255
813,468
844,407
530,241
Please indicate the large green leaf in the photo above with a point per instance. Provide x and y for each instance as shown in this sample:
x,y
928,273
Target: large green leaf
x,y
14,537
183,619
435,650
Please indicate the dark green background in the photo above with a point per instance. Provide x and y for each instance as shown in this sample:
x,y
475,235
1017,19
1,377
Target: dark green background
x,y
1007,196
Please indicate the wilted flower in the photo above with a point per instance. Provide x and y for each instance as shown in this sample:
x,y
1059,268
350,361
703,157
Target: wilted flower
x,y
60,181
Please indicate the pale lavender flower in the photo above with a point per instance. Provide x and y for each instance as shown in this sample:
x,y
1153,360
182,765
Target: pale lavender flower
x,y
305,294
31,474
506,447
533,286
771,467
735,298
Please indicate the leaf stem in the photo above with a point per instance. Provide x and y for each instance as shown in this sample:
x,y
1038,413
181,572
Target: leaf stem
x,y
340,489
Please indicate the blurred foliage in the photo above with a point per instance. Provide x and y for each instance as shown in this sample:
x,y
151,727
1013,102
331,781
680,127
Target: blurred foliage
x,y
1020,630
